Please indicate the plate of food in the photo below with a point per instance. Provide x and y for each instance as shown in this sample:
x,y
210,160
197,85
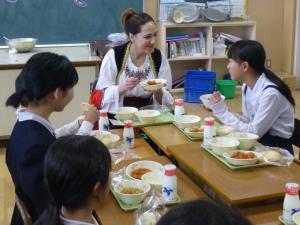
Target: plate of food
x,y
137,169
195,132
153,84
107,138
242,158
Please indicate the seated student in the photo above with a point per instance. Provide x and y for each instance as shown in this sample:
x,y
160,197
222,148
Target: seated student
x,y
77,175
125,66
44,86
267,102
202,212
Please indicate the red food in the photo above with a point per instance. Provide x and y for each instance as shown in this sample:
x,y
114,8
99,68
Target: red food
x,y
243,155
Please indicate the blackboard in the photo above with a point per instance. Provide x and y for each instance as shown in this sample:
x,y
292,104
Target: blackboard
x,y
62,21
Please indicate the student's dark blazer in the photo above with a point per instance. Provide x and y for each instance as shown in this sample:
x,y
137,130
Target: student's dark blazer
x,y
25,155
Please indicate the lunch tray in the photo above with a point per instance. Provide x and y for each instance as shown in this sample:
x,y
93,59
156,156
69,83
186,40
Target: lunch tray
x,y
164,118
127,207
194,138
282,220
230,166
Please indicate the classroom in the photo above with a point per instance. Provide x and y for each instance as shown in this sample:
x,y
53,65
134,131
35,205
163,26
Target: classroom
x,y
150,112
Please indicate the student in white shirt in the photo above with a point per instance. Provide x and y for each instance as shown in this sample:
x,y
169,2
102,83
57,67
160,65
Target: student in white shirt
x,y
44,86
125,66
267,102
77,176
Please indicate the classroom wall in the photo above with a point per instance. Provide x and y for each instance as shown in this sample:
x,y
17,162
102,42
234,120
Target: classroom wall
x,y
275,28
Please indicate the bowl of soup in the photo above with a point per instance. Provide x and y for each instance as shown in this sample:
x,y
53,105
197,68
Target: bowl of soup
x,y
137,169
247,140
147,115
131,192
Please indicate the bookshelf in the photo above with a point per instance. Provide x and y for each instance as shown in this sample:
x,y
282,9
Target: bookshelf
x,y
206,61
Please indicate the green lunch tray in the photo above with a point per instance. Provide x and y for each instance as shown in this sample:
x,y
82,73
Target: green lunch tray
x,y
282,220
230,166
194,138
164,118
127,207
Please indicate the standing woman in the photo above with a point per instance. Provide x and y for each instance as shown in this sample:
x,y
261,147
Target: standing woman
x,y
125,66
267,102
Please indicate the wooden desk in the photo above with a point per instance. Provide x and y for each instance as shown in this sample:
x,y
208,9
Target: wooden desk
x,y
110,213
235,187
166,135
141,148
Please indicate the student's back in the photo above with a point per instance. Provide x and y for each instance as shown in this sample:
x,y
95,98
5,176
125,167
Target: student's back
x,y
23,158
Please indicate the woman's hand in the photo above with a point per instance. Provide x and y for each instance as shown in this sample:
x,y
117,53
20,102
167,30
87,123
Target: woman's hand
x,y
129,84
215,98
92,115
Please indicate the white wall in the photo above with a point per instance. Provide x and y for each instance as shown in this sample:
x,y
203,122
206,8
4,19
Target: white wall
x,y
297,46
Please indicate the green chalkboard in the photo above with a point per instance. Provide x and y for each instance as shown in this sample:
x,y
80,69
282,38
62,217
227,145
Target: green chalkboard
x,y
62,21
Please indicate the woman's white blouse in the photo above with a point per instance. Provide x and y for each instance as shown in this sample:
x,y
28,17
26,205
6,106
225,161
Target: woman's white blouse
x,y
108,72
263,111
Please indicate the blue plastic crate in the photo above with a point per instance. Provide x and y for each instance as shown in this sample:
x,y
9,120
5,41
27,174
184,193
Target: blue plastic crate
x,y
193,95
201,80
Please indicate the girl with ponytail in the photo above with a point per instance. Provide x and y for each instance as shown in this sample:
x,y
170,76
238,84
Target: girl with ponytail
x,y
44,86
267,102
76,174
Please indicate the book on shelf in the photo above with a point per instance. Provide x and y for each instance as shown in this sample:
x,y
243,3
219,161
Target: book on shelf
x,y
185,45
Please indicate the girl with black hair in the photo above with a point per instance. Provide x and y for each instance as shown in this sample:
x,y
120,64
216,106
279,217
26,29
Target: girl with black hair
x,y
202,212
268,104
77,176
125,66
44,86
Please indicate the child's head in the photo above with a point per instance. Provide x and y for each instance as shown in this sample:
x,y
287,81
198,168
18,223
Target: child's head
x,y
77,171
46,76
202,212
245,56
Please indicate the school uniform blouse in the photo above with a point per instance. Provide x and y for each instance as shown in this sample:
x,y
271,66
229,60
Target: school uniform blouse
x,y
108,72
30,139
265,109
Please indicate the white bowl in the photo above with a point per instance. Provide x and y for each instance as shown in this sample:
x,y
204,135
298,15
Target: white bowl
x,y
193,133
220,145
160,83
147,115
187,121
241,162
126,113
154,179
22,44
152,166
224,130
247,140
205,100
132,199
107,138
296,218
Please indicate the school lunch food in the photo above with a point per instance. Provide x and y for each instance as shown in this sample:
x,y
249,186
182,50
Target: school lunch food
x,y
138,173
272,156
137,169
131,190
243,155
152,82
196,129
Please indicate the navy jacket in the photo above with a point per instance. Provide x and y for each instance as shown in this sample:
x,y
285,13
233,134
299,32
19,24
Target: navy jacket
x,y
25,155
